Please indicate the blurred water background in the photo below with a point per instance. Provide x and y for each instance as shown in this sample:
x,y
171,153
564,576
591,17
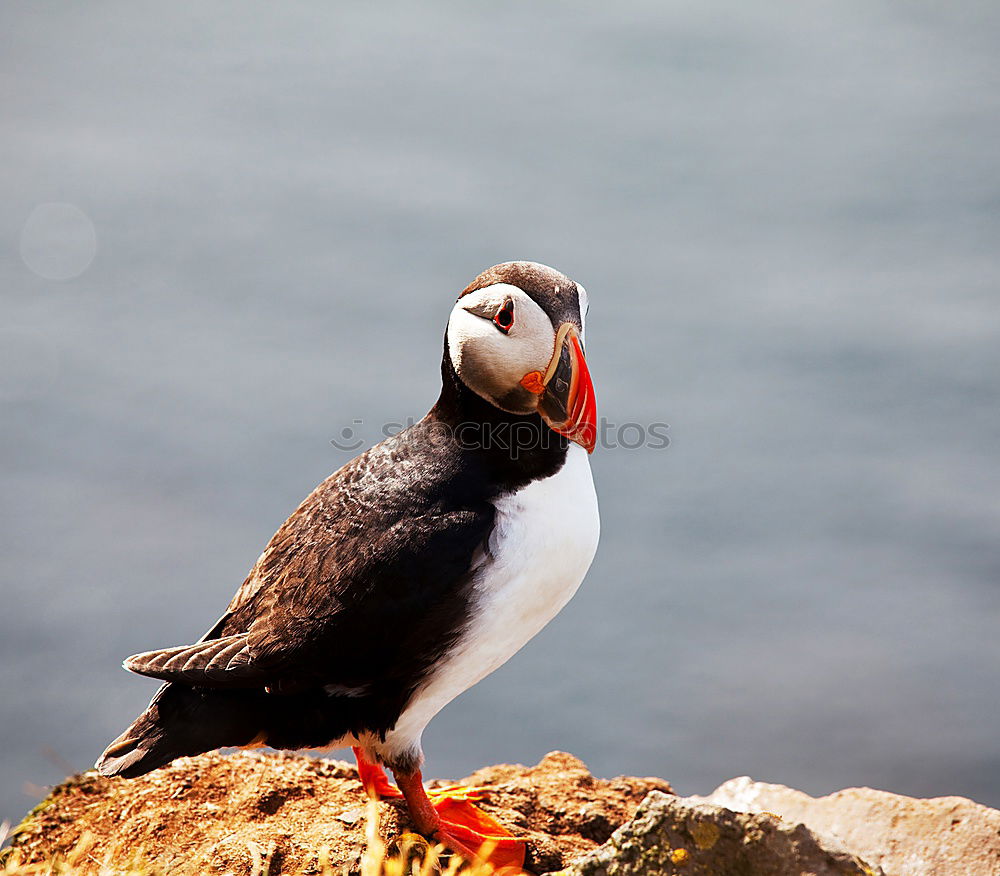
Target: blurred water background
x,y
230,231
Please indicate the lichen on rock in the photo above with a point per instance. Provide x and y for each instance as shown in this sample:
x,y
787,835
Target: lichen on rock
x,y
672,835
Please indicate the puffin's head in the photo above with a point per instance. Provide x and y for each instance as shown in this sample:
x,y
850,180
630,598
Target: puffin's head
x,y
515,337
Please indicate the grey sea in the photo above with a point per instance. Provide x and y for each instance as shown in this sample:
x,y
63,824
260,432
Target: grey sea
x,y
231,234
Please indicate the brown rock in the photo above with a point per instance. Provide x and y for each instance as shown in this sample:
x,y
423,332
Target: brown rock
x,y
904,835
676,835
235,813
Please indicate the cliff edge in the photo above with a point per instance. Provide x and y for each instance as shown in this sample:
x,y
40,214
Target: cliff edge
x,y
248,813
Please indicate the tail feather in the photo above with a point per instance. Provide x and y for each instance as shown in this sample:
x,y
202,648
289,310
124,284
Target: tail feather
x,y
181,721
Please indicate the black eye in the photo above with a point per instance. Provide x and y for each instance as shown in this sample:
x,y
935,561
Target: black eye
x,y
504,318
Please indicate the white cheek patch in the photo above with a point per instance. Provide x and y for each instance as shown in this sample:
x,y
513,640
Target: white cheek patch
x,y
584,301
488,361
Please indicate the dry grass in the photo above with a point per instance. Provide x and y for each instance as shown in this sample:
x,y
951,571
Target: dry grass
x,y
410,856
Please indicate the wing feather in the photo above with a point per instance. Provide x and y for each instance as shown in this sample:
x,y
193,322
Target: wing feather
x,y
362,583
216,663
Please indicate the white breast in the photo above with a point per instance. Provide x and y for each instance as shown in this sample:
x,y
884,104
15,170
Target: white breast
x,y
543,542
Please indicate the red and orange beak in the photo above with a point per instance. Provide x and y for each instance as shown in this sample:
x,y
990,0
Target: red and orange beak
x,y
565,391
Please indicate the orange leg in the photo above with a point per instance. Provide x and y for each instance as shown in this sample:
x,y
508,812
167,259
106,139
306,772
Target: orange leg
x,y
374,779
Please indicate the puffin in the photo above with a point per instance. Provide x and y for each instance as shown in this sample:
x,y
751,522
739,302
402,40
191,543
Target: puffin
x,y
409,574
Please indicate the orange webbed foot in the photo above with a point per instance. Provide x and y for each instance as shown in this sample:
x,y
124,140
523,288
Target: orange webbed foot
x,y
456,792
448,816
464,824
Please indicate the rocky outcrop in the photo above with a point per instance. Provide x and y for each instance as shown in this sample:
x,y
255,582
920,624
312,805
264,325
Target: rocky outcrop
x,y
674,835
245,813
757,829
903,835
229,813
